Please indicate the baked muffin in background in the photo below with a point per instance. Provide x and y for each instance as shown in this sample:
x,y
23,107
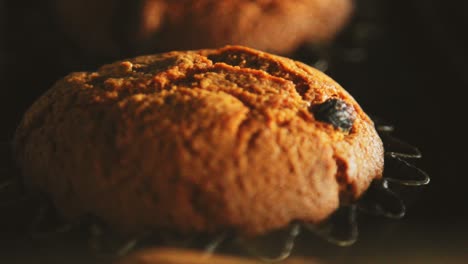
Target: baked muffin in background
x,y
180,256
109,27
199,141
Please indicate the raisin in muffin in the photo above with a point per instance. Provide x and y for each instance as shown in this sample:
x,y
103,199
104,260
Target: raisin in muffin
x,y
109,26
199,141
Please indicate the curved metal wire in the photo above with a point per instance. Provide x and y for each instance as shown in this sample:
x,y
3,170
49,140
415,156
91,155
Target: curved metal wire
x,y
380,200
401,172
398,148
341,229
286,250
211,247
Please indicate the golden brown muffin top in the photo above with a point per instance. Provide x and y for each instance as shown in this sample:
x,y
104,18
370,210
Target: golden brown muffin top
x,y
228,138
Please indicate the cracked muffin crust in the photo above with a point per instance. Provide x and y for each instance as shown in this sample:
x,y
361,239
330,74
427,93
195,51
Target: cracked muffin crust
x,y
135,27
199,141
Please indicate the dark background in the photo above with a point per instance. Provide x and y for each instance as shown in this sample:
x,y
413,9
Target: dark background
x,y
404,61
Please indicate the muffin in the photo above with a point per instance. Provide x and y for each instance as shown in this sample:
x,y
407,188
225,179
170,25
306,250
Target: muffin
x,y
178,256
109,27
199,141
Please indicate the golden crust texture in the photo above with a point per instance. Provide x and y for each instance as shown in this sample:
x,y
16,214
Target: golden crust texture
x,y
278,26
197,141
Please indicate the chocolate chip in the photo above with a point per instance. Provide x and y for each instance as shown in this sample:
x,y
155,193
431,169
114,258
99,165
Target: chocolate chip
x,y
336,112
